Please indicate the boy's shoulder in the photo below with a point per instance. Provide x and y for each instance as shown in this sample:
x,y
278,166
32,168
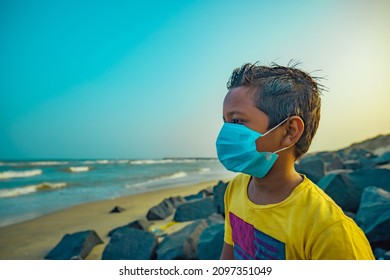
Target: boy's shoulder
x,y
319,204
240,179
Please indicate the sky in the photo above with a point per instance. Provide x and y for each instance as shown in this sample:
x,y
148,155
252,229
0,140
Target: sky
x,y
146,79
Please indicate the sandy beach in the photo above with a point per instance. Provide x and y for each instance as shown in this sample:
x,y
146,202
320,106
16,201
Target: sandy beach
x,y
32,240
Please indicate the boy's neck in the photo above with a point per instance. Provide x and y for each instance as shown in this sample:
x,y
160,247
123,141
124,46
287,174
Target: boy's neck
x,y
275,187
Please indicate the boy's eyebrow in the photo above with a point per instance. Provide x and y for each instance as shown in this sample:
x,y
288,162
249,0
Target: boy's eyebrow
x,y
235,113
229,114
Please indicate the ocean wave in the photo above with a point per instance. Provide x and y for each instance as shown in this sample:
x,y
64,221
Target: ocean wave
x,y
19,174
172,160
204,170
77,169
176,175
32,163
47,163
5,193
101,161
150,161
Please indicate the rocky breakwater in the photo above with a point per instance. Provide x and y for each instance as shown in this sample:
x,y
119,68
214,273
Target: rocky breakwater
x,y
199,223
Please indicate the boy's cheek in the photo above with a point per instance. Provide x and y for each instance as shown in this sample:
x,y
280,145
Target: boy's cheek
x,y
264,144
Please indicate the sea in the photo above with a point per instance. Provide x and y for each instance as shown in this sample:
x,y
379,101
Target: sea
x,y
33,188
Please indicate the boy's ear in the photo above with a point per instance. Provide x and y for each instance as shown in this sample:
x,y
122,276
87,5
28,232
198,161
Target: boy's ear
x,y
294,130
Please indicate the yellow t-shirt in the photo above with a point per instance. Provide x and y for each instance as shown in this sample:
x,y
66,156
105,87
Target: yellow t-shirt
x,y
306,225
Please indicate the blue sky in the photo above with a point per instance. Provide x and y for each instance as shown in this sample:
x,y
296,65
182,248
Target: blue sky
x,y
146,79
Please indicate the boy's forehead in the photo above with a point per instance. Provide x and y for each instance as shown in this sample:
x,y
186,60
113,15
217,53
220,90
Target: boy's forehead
x,y
239,96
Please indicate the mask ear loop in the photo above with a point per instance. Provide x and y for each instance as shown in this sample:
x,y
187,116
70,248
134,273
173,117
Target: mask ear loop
x,y
275,127
282,149
285,148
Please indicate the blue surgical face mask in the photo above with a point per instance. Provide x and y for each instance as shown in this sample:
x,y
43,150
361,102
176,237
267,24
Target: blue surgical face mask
x,y
236,149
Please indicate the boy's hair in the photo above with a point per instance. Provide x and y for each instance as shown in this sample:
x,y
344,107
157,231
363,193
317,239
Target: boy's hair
x,y
282,92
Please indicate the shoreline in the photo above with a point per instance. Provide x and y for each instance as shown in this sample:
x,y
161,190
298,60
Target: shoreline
x,y
33,239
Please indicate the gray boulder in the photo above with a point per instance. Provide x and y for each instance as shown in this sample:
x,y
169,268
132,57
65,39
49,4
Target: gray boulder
x,y
199,195
164,209
335,163
313,167
373,216
183,244
74,246
346,188
219,195
381,254
117,209
130,244
357,153
327,157
383,159
141,224
352,164
194,210
342,190
211,242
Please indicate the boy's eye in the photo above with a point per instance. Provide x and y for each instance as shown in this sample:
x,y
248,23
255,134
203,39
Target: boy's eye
x,y
237,121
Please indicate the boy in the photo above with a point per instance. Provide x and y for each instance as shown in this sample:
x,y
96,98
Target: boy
x,y
272,212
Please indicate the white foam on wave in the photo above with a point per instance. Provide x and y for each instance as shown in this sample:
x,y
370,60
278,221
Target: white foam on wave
x,y
168,160
48,163
150,161
176,175
103,161
78,169
30,189
204,170
20,174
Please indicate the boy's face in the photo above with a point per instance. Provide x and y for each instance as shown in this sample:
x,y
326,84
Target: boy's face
x,y
238,107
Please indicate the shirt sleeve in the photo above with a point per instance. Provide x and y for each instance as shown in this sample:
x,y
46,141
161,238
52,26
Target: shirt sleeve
x,y
343,240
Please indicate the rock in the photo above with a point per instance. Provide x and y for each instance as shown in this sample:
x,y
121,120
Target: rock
x,y
219,195
373,216
342,190
368,163
355,153
327,157
74,246
352,164
383,159
313,167
117,209
215,218
211,242
183,244
335,163
176,201
195,210
209,191
138,224
164,209
199,195
346,188
130,244
369,177
381,254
